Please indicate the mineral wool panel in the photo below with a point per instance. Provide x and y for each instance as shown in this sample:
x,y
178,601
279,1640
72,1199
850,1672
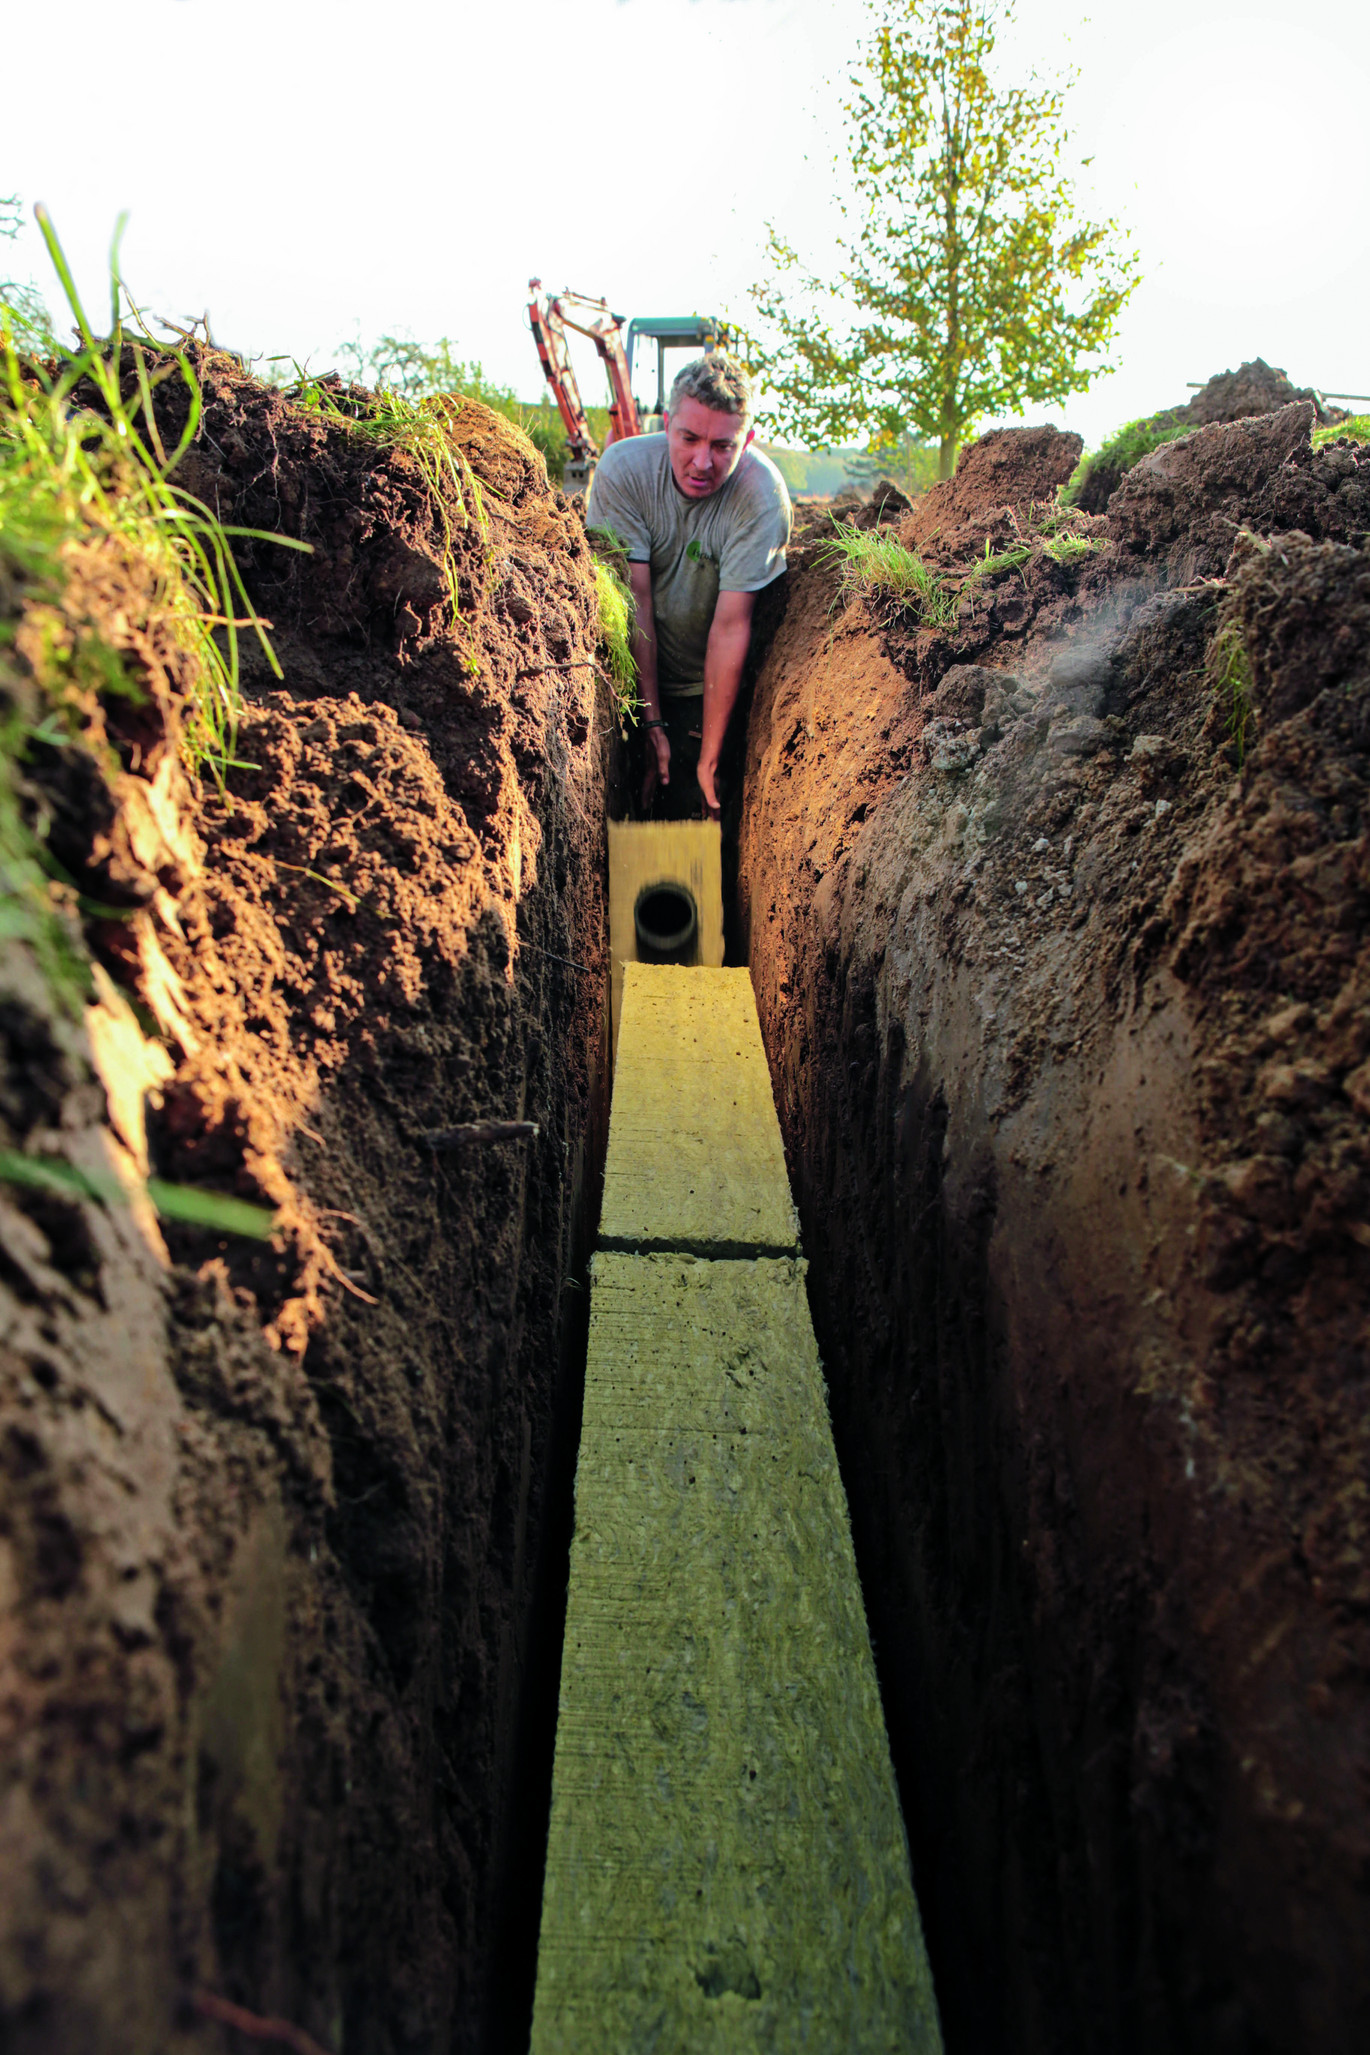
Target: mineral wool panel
x,y
726,1866
695,1156
645,853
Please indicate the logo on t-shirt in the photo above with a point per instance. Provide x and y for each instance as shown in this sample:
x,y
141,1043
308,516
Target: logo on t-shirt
x,y
696,553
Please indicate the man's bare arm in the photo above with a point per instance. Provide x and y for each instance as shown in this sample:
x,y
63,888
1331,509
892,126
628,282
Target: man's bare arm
x,y
644,656
729,639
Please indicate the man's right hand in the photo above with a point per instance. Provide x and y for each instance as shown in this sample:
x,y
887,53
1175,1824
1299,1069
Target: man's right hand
x,y
658,764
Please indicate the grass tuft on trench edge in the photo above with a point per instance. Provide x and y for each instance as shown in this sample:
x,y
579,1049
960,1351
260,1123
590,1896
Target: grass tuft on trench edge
x,y
1124,448
86,490
1356,428
617,615
876,564
1137,439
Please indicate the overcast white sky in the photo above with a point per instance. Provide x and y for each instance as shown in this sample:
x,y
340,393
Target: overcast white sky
x,y
311,171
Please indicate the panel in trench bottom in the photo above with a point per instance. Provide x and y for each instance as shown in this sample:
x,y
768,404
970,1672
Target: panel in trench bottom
x,y
695,1157
644,853
726,1864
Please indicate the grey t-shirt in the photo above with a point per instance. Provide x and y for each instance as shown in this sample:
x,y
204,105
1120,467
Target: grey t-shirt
x,y
733,541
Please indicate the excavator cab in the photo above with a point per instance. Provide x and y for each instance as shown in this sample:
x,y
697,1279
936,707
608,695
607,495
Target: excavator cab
x,y
669,332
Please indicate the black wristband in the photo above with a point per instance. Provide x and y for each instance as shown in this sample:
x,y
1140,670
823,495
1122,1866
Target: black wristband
x,y
653,724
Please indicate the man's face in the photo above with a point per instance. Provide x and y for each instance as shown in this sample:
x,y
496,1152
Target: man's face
x,y
705,447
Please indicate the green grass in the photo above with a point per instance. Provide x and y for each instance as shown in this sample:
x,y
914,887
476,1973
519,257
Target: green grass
x,y
418,370
1136,439
423,423
90,518
1057,527
1229,669
992,562
1356,429
20,305
617,612
873,563
423,427
85,481
81,461
1068,548
217,1211
421,370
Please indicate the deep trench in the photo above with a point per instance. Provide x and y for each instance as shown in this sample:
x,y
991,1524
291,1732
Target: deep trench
x,y
1001,1985
908,1646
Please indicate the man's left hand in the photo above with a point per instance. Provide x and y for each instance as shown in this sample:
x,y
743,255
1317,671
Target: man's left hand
x,y
729,637
707,775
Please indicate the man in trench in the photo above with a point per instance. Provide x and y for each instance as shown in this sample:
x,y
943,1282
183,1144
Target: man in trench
x,y
706,520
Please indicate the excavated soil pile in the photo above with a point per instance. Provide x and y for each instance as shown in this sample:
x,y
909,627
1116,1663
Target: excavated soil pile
x,y
275,1515
1253,388
1058,926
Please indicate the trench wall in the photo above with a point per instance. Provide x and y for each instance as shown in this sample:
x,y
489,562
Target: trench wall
x,y
1065,1043
277,1519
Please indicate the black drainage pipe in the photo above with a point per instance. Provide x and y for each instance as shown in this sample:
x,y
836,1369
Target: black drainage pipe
x,y
667,923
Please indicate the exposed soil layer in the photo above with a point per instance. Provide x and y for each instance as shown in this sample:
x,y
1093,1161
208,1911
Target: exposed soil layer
x,y
275,1515
1058,927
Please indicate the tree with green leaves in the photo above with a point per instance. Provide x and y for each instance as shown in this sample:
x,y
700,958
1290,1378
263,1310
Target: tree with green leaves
x,y
906,462
973,289
399,364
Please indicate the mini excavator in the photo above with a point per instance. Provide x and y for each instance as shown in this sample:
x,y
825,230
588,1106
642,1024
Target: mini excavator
x,y
550,315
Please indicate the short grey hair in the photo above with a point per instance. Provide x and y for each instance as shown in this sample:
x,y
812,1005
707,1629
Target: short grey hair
x,y
717,381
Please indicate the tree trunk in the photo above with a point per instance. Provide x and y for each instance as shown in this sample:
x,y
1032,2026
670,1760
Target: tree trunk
x,y
946,455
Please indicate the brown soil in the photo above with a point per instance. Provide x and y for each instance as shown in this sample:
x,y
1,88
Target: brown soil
x,y
1254,388
1001,475
1067,1009
278,1518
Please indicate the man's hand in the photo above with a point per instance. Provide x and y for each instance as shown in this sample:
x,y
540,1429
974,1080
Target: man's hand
x,y
707,774
729,637
658,764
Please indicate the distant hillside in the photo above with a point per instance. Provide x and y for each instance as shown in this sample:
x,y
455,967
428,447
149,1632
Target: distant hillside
x,y
819,474
822,474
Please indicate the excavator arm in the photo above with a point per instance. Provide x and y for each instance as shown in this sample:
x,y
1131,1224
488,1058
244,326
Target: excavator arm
x,y
549,333
605,331
549,319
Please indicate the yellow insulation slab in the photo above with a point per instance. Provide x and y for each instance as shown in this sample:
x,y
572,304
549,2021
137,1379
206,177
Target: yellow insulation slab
x,y
695,1156
726,1867
658,852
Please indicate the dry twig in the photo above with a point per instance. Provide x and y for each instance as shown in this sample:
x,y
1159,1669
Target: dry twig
x,y
569,961
480,1131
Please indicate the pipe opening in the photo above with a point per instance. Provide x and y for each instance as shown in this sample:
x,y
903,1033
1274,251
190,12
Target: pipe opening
x,y
667,923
